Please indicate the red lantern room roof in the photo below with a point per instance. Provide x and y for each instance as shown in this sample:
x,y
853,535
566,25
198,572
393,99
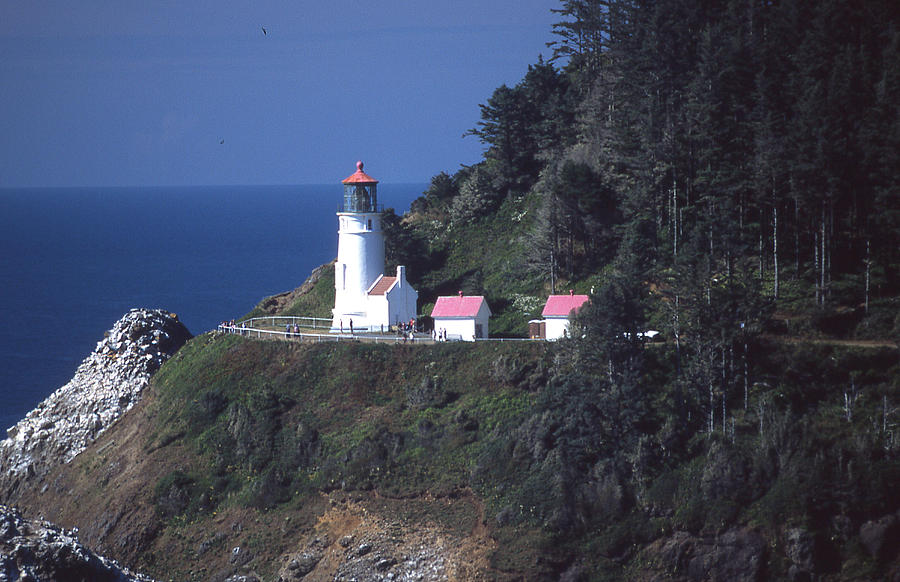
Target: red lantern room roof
x,y
359,177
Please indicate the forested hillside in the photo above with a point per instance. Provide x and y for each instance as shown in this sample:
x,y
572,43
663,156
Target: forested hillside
x,y
729,157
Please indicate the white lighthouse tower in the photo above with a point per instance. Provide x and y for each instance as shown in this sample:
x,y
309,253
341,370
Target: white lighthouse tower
x,y
360,260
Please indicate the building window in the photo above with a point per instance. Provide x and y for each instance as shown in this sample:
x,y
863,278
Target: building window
x,y
370,224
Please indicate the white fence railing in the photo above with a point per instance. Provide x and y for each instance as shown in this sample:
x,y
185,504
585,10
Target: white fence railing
x,y
282,327
282,320
321,337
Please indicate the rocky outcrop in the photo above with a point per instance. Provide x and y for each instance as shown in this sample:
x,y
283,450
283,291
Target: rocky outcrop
x,y
800,548
38,551
880,537
737,555
356,541
105,386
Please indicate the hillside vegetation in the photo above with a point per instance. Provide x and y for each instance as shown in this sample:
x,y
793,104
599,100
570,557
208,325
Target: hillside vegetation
x,y
565,470
724,172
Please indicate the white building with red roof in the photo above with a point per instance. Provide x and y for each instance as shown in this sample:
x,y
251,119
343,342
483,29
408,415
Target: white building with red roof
x,y
364,298
558,312
461,317
392,300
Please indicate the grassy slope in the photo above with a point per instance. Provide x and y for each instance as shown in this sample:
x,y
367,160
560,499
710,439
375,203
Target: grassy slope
x,y
272,425
314,298
486,257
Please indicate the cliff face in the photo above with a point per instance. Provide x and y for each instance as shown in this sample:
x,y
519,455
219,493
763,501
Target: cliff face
x,y
107,384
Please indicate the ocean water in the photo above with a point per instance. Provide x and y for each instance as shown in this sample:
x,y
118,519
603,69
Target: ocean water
x,y
74,260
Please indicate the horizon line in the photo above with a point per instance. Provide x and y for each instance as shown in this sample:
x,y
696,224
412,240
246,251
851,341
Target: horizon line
x,y
242,185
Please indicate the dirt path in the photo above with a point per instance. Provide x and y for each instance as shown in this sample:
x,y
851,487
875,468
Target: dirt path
x,y
831,342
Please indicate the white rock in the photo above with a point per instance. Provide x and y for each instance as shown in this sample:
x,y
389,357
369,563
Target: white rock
x,y
105,386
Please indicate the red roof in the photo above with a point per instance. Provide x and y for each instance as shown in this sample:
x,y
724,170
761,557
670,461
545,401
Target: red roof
x,y
359,177
563,305
458,306
382,285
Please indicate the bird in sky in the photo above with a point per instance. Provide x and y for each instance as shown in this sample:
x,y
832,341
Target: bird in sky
x,y
221,142
264,30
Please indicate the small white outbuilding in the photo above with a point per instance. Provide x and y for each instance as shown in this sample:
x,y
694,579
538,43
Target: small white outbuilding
x,y
392,300
558,312
461,317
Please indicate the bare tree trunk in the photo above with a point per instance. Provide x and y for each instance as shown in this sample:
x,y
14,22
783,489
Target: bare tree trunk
x,y
571,253
709,266
822,253
674,218
775,238
724,419
724,370
868,266
724,391
746,378
828,247
552,272
760,253
760,410
731,361
796,240
816,268
849,401
553,220
712,397
676,331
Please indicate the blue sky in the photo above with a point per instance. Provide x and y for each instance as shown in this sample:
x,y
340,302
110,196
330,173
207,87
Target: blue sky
x,y
122,93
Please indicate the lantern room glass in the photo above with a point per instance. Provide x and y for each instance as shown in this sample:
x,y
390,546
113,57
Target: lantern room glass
x,y
360,198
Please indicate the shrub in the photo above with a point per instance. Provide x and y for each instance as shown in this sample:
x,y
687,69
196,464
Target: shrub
x,y
173,493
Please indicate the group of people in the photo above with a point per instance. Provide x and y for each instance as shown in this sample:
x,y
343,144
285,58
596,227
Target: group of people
x,y
231,327
439,335
292,330
406,330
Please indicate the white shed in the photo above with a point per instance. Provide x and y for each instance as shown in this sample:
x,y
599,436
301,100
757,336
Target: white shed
x,y
392,300
558,310
461,317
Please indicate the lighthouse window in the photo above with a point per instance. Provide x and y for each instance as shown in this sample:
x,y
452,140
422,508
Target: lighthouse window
x,y
370,224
